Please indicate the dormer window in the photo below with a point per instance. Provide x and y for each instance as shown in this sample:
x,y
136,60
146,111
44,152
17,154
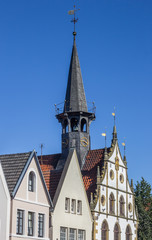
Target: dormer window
x,y
31,182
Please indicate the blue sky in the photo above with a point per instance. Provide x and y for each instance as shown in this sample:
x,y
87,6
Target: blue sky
x,y
114,45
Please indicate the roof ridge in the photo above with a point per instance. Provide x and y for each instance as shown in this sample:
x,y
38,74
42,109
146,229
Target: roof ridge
x,y
49,155
12,154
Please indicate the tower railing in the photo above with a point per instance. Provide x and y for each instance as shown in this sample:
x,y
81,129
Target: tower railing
x,y
63,107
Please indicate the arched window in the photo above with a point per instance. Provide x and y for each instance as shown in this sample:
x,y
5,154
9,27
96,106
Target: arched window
x,y
112,204
83,125
31,182
104,231
117,235
65,126
74,125
122,206
128,233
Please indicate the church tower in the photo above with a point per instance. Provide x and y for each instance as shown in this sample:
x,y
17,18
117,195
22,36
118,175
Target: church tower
x,y
75,118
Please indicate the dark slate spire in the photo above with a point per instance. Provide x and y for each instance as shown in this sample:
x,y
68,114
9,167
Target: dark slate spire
x,y
75,99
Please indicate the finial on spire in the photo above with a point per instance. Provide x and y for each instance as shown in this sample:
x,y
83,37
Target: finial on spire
x,y
124,145
105,152
74,20
114,115
105,135
114,127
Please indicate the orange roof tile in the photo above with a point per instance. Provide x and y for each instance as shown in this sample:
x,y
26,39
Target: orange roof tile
x,y
48,165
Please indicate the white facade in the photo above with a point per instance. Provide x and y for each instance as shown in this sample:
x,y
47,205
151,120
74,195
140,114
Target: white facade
x,y
115,181
67,215
31,203
4,207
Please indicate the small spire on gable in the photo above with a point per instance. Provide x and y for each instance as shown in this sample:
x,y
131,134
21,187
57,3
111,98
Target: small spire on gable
x,y
124,145
114,139
105,152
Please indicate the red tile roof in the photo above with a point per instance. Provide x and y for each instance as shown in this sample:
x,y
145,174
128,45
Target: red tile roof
x,y
48,163
94,158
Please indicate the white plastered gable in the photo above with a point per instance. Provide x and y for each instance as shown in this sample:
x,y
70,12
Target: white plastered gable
x,y
4,207
39,195
71,186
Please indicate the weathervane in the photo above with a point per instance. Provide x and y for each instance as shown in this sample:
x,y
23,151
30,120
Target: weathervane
x,y
74,20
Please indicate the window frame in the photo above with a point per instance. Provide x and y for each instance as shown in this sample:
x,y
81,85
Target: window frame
x,y
31,181
41,225
73,207
19,220
79,207
104,231
84,233
66,231
112,204
32,223
67,203
75,234
128,233
117,232
122,206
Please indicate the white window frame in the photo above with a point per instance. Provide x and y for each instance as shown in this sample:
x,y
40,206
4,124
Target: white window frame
x,y
73,206
66,231
67,204
83,237
75,234
79,207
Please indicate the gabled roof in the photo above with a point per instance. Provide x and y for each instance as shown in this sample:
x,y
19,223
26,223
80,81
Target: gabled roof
x,y
14,168
13,165
75,99
52,177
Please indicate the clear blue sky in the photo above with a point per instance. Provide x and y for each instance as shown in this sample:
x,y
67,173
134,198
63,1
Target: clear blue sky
x,y
114,43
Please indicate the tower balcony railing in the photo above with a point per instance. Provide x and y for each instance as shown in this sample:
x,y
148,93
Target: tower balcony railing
x,y
63,107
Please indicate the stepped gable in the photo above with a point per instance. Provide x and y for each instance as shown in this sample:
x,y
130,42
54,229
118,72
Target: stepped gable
x,y
47,164
13,166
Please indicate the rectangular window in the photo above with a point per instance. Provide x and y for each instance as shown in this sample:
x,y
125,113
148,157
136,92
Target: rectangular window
x,y
40,225
63,233
73,206
30,223
72,234
79,207
67,204
81,234
19,225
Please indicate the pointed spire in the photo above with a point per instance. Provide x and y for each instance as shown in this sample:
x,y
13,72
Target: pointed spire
x,y
124,158
75,99
132,185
